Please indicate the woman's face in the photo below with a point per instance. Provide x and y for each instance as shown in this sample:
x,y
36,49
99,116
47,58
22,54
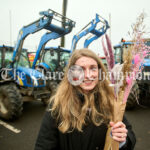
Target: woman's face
x,y
90,68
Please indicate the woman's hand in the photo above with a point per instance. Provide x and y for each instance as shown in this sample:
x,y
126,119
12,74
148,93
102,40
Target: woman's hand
x,y
119,131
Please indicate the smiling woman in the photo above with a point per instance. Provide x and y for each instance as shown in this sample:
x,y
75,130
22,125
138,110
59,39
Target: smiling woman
x,y
79,114
90,68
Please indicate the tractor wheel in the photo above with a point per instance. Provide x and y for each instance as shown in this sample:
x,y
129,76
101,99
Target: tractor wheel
x,y
10,102
133,97
52,86
144,94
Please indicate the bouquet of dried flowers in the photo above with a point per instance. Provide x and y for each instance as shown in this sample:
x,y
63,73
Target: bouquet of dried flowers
x,y
133,64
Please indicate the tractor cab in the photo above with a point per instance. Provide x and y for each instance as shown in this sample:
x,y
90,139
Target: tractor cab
x,y
24,60
6,53
119,49
52,62
56,58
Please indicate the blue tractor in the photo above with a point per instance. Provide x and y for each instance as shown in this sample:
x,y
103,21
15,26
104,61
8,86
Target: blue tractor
x,y
141,88
52,60
19,82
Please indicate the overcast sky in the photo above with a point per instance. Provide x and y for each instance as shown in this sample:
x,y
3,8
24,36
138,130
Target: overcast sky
x,y
14,14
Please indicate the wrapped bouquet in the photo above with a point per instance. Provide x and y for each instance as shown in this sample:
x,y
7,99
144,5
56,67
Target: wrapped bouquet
x,y
133,60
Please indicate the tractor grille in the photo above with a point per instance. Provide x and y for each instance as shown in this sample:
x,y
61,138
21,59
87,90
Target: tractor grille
x,y
28,80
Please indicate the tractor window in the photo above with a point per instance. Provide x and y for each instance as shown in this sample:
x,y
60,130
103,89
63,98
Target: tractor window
x,y
64,58
148,56
118,55
8,58
51,59
147,43
24,61
0,58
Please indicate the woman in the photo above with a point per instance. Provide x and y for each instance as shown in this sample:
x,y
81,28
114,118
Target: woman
x,y
81,110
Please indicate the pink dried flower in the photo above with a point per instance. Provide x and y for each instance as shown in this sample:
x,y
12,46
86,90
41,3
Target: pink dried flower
x,y
111,54
128,80
137,59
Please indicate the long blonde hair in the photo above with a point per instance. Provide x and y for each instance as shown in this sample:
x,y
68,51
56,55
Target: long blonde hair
x,y
68,108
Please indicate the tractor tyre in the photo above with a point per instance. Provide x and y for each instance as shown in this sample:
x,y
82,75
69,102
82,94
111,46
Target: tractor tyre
x,y
11,104
133,97
144,95
52,86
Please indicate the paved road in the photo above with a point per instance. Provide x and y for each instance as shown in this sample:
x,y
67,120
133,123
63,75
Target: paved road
x,y
140,120
30,121
29,125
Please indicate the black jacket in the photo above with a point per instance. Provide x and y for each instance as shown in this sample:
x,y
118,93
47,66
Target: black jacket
x,y
92,137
